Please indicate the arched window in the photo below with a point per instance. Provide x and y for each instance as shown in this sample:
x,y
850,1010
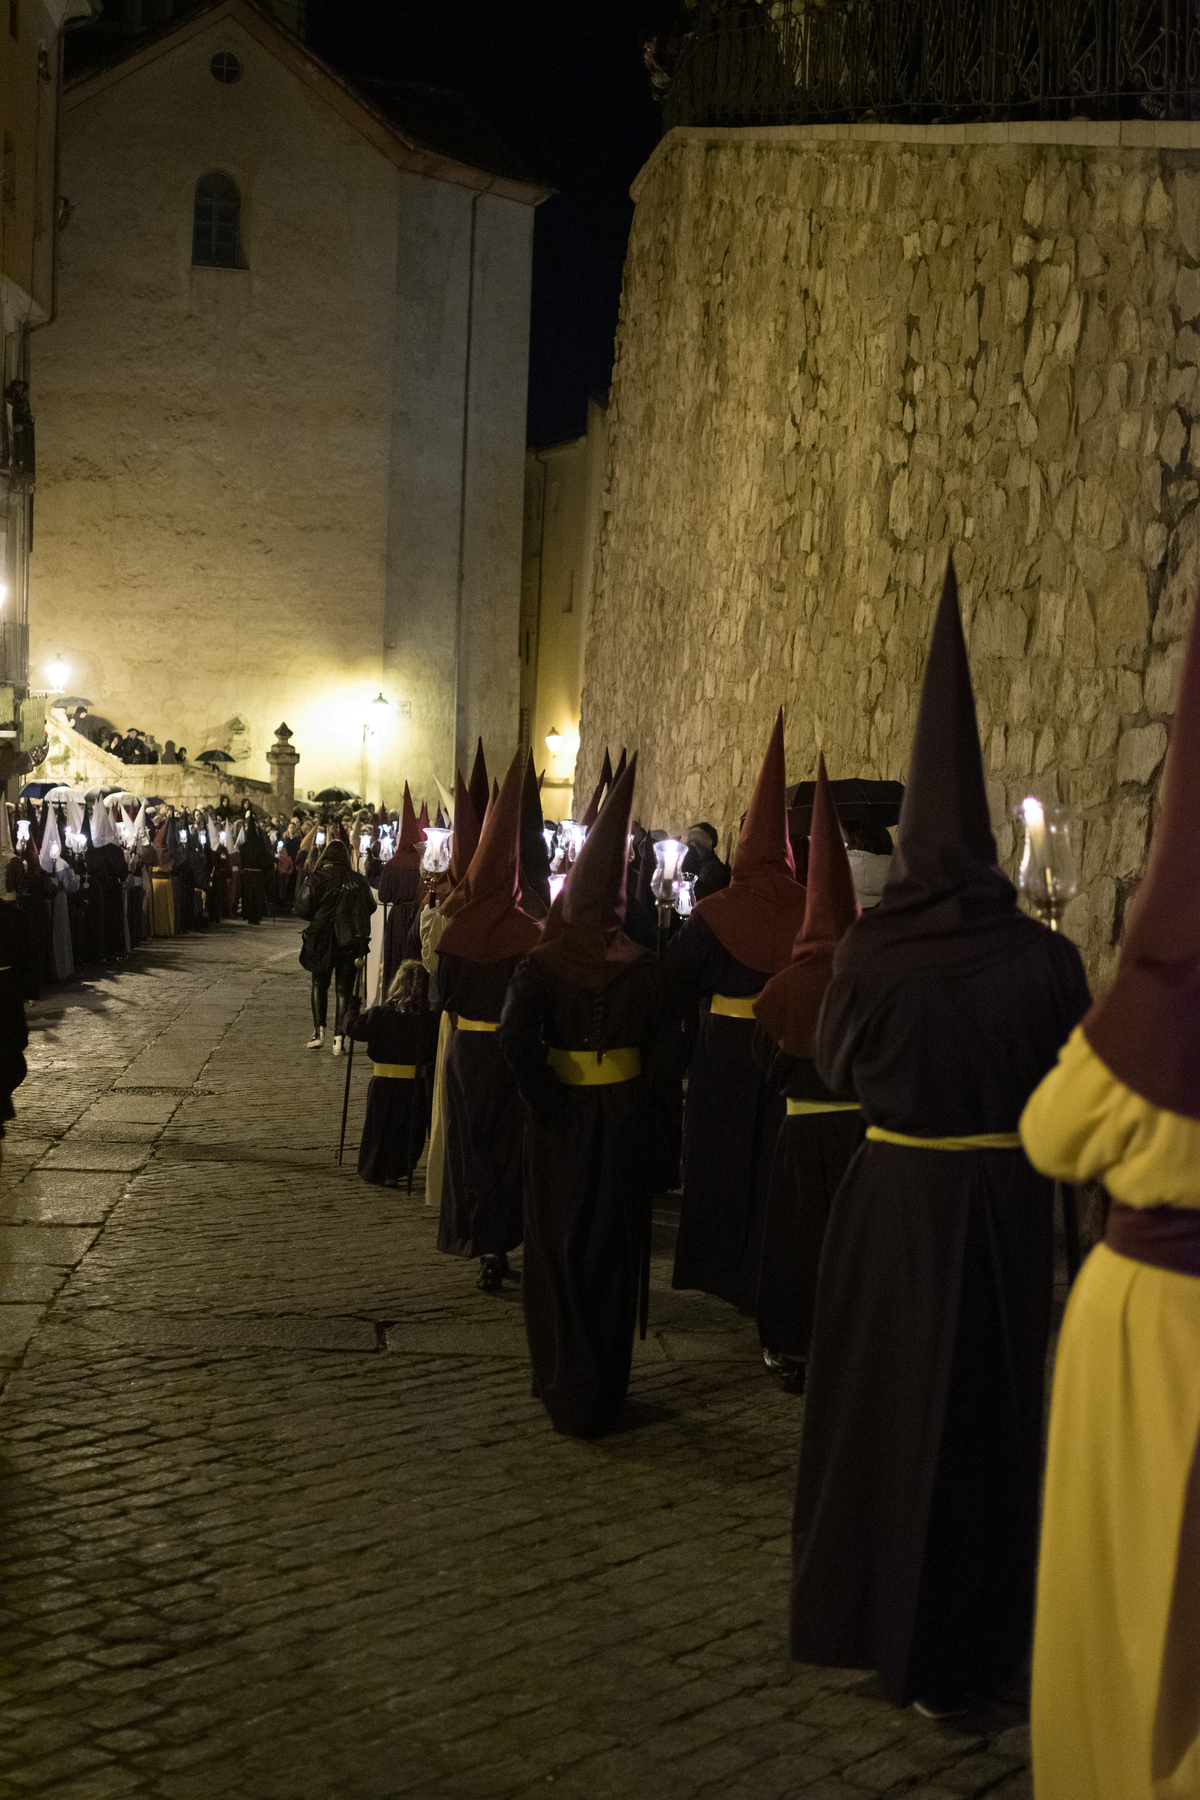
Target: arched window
x,y
216,234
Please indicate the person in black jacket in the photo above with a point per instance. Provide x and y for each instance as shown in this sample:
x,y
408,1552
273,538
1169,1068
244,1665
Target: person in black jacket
x,y
18,983
337,903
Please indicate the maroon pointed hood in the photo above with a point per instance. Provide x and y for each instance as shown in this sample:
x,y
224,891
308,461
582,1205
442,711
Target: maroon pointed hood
x,y
620,768
756,918
789,1004
944,878
423,818
535,858
467,827
584,939
479,786
1146,1029
485,920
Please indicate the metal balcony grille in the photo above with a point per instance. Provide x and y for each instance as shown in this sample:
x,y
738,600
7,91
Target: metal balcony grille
x,y
935,61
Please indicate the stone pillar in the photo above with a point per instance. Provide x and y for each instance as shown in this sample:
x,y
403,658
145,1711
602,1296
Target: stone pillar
x,y
283,760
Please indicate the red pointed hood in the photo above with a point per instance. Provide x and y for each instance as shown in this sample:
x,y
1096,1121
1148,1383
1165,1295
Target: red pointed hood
x,y
1146,1029
408,842
467,827
423,818
584,939
789,1004
479,786
756,918
535,858
485,920
944,879
620,768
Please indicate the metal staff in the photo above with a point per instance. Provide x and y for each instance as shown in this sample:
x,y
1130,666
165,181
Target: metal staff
x,y
359,976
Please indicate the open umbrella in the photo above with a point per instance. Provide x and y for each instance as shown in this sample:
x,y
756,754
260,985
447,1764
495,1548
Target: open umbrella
x,y
333,794
72,700
37,790
213,756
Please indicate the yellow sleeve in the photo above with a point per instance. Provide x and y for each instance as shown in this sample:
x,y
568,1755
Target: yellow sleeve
x,y
1082,1124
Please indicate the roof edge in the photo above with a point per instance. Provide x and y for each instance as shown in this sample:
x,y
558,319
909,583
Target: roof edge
x,y
341,96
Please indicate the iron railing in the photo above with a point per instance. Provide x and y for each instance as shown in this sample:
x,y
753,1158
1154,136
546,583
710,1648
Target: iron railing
x,y
751,62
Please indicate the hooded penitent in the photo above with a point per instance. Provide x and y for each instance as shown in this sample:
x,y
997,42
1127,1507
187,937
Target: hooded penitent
x,y
479,787
467,827
757,917
789,1004
1146,1029
535,858
423,817
944,877
584,939
620,768
485,920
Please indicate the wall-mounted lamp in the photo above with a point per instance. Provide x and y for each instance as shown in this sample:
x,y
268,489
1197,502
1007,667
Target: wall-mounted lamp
x,y
58,672
554,740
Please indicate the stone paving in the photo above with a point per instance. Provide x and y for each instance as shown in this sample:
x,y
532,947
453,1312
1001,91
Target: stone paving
x,y
280,1516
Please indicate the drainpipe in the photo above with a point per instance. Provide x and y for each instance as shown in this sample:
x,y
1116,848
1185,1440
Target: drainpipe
x,y
462,485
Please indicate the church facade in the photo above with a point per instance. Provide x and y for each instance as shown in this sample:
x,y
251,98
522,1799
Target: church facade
x,y
281,414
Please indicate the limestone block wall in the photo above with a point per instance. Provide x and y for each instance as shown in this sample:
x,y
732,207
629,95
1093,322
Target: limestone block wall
x,y
843,355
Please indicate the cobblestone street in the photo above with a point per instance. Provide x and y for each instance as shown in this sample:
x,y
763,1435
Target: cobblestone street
x,y
280,1516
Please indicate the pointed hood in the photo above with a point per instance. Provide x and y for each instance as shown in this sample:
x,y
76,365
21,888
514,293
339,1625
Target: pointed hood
x,y
584,939
485,922
408,841
1146,1029
535,858
606,771
102,828
789,1004
423,819
495,789
944,878
756,918
620,768
592,810
51,848
467,827
479,786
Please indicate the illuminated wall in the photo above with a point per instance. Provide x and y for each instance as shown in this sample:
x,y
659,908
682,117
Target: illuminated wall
x,y
254,499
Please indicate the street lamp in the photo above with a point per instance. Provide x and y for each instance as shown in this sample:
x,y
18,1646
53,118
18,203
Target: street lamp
x,y
554,740
58,672
368,731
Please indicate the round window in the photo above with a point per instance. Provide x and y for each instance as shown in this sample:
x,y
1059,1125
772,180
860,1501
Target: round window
x,y
225,67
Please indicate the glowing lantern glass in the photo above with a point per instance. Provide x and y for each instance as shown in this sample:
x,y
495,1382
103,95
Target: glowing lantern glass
x,y
435,858
1048,875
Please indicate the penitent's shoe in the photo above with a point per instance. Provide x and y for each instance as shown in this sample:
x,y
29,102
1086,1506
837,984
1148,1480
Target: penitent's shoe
x,y
317,1038
337,1046
491,1274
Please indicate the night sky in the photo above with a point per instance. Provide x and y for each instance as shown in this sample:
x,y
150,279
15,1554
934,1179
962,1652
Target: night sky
x,y
562,82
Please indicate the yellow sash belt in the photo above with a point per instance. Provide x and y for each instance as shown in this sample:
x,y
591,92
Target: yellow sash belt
x,y
800,1109
986,1140
476,1024
586,1068
395,1071
729,1008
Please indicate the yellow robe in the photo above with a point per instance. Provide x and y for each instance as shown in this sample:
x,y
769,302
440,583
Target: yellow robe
x,y
1116,1661
164,903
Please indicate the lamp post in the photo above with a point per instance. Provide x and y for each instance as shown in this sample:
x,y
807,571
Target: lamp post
x,y
369,730
58,672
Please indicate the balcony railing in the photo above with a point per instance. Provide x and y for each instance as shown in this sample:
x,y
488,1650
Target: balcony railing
x,y
928,61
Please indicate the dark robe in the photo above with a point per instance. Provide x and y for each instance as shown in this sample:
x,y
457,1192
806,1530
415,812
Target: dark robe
x,y
589,1154
812,1153
254,899
915,1532
398,886
481,1174
397,1118
731,1121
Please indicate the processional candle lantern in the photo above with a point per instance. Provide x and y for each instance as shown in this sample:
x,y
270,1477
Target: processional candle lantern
x,y
1048,876
571,839
435,858
665,881
685,899
364,842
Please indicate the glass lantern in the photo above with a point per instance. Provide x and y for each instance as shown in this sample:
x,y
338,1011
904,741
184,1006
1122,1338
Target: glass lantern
x,y
685,899
668,860
1048,876
435,858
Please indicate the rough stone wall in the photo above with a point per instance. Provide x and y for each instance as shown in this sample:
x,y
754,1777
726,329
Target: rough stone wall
x,y
840,360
